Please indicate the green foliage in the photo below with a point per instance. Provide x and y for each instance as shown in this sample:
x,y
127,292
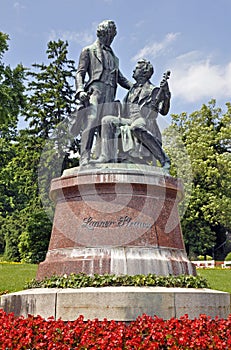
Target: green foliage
x,y
200,257
12,101
11,92
25,227
208,257
11,228
50,103
206,136
3,44
83,280
51,92
20,194
228,257
34,239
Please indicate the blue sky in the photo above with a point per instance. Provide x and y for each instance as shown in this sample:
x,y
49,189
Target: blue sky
x,y
189,37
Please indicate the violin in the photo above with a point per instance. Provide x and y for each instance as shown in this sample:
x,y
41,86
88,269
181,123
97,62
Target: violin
x,y
158,93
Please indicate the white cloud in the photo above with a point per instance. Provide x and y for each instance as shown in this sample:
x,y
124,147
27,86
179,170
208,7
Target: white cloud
x,y
82,38
18,6
140,23
157,48
194,79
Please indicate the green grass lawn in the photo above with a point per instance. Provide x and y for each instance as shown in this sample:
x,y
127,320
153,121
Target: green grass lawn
x,y
13,276
219,279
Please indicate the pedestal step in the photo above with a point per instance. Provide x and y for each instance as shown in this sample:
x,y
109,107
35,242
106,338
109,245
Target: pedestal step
x,y
117,303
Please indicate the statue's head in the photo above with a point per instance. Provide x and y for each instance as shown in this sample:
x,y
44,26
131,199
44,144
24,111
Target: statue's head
x,y
143,70
106,31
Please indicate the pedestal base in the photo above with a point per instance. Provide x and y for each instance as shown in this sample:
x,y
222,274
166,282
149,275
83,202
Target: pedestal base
x,y
116,218
117,303
116,260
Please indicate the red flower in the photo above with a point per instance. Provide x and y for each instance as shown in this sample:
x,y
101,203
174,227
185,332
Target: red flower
x,y
145,333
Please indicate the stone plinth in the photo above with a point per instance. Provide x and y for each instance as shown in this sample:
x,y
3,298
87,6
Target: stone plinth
x,y
117,303
116,218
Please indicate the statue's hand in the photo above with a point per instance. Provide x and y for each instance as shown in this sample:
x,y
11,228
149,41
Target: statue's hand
x,y
164,85
83,96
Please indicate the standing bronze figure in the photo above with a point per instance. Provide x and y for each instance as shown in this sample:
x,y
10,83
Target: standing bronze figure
x,y
99,62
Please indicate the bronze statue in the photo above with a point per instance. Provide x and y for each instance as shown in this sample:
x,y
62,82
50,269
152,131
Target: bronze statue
x,y
137,125
99,62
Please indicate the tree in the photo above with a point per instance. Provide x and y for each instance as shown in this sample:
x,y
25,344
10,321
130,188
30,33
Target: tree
x,y
34,238
12,101
19,178
51,90
206,135
50,100
49,106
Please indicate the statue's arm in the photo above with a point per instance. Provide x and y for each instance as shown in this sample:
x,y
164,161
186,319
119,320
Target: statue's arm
x,y
82,70
165,95
165,106
160,100
124,82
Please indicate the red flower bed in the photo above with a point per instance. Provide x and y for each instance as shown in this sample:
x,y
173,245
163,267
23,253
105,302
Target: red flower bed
x,y
148,333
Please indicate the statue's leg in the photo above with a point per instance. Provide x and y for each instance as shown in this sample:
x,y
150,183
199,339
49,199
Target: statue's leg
x,y
91,124
88,134
153,145
109,125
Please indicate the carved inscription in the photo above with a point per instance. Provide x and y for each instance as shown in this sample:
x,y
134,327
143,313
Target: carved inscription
x,y
123,221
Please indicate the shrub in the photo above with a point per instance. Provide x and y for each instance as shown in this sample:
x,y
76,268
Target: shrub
x,y
34,239
83,280
228,257
201,257
208,257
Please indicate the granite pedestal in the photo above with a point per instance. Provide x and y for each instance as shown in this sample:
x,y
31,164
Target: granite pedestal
x,y
117,219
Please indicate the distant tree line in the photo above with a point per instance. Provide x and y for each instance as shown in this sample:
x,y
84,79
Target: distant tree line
x,y
206,138
43,95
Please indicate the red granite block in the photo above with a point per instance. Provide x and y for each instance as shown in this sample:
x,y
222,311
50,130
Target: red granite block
x,y
106,209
